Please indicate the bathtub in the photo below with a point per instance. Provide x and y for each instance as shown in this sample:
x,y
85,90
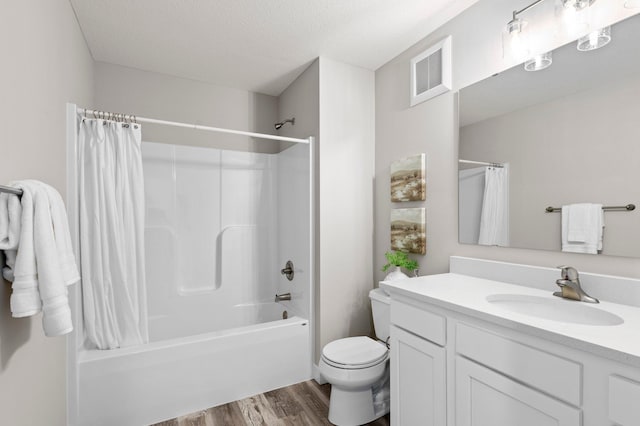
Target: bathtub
x,y
171,377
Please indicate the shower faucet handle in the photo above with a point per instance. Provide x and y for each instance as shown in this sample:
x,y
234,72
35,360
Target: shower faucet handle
x,y
288,270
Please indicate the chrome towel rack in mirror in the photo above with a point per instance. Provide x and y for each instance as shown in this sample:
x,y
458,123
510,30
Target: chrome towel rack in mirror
x,y
628,207
10,190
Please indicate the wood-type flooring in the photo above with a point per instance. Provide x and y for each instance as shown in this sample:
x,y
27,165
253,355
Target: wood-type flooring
x,y
302,404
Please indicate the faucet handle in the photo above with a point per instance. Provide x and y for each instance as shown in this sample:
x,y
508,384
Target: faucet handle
x,y
568,272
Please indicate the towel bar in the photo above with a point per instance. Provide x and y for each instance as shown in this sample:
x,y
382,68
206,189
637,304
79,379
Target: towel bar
x,y
628,207
10,190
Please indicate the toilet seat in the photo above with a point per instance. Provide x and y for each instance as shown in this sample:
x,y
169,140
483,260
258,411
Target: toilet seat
x,y
354,353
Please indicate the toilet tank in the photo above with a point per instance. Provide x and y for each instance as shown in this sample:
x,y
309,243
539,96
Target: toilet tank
x,y
380,304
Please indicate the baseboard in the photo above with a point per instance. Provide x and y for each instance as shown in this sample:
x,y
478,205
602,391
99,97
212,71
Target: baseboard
x,y
316,375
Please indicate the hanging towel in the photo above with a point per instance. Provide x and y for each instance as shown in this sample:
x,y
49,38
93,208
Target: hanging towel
x,y
43,264
10,216
67,260
21,261
582,228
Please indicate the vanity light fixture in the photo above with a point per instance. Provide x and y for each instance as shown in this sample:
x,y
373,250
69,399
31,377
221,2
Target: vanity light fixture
x,y
576,16
515,39
577,4
539,62
595,39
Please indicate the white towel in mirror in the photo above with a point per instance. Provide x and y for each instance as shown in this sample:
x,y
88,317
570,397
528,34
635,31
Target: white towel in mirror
x,y
582,228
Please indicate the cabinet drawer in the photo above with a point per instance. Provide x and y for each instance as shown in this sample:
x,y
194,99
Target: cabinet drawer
x,y
547,372
418,321
624,396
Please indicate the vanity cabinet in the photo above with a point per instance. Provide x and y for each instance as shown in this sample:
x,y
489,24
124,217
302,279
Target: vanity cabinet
x,y
418,380
451,368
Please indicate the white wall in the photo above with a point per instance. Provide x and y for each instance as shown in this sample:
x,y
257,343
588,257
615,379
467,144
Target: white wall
x,y
154,95
46,63
335,103
431,127
346,160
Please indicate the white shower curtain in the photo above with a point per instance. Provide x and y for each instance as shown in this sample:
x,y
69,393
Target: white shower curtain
x,y
494,219
111,200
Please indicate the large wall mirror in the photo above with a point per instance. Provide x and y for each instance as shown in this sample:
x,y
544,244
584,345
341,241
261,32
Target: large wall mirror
x,y
564,135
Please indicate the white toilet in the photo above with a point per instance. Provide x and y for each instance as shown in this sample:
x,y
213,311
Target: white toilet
x,y
358,370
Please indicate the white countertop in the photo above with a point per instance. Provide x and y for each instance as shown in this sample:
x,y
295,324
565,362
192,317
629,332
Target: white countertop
x,y
468,295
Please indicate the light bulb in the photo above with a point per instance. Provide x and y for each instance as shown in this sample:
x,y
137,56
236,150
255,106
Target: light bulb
x,y
517,39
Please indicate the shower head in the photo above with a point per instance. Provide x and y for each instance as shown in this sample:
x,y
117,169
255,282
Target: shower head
x,y
282,123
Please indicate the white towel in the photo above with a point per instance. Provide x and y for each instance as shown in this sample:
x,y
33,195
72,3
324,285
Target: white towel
x,y
10,213
62,236
21,262
582,228
10,216
44,264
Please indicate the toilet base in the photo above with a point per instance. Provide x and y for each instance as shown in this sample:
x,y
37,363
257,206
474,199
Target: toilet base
x,y
351,408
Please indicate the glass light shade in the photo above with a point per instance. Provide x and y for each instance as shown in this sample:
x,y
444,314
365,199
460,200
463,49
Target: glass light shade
x,y
515,40
595,39
539,62
575,15
577,4
632,4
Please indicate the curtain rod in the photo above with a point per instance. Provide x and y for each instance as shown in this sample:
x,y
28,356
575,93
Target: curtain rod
x,y
136,119
481,163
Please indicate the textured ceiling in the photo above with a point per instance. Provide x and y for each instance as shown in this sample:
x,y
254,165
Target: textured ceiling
x,y
256,45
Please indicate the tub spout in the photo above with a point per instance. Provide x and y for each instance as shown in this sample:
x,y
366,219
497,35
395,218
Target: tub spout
x,y
283,296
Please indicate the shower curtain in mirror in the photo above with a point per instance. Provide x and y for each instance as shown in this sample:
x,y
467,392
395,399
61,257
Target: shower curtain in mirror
x,y
111,197
494,219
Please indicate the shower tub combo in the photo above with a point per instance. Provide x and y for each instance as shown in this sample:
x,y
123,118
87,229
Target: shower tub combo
x,y
215,243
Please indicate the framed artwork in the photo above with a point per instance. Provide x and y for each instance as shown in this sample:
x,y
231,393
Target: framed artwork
x,y
409,230
431,72
408,179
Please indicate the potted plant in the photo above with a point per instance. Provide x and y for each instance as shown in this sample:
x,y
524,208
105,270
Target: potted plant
x,y
399,260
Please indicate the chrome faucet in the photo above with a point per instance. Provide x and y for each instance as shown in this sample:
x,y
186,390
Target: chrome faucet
x,y
283,296
570,286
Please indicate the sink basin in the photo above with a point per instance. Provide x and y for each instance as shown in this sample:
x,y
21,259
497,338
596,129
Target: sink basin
x,y
555,309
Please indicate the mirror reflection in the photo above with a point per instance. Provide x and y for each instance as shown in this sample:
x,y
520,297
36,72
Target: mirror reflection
x,y
566,137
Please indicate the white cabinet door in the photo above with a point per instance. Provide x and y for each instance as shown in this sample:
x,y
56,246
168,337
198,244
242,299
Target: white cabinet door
x,y
487,398
624,396
418,381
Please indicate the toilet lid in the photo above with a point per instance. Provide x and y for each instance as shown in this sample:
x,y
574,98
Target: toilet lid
x,y
354,351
